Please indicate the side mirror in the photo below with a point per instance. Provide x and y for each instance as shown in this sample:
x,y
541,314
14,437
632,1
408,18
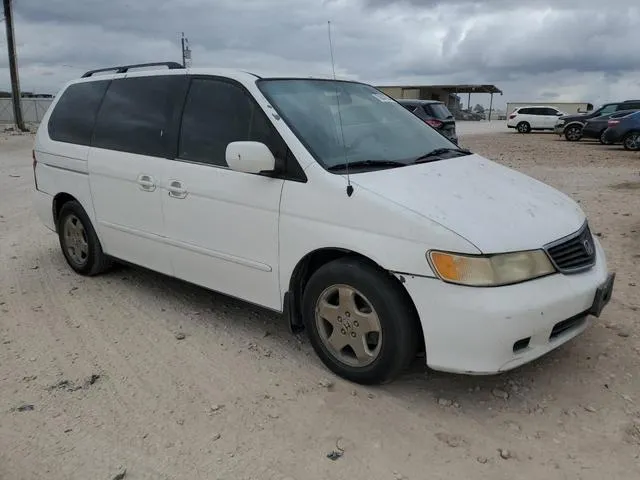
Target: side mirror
x,y
249,157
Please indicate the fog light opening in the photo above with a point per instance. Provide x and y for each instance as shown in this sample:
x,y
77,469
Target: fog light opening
x,y
521,344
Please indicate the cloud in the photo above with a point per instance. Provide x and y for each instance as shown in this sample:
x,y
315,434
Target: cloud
x,y
576,49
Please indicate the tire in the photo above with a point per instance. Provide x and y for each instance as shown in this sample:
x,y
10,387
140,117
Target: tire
x,y
602,140
79,242
357,295
573,133
631,141
523,127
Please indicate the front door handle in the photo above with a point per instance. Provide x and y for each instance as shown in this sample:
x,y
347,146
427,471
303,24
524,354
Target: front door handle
x,y
176,189
146,182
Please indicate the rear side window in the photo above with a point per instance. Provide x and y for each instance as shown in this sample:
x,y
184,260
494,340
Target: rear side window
x,y
217,113
136,115
74,115
629,106
525,111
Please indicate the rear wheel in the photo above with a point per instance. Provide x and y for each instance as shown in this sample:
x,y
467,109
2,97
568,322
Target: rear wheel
x,y
79,242
524,127
631,141
573,133
359,321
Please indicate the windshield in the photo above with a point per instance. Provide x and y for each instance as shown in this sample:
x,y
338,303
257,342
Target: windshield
x,y
374,127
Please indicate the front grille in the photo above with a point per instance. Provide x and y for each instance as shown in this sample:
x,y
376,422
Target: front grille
x,y
574,253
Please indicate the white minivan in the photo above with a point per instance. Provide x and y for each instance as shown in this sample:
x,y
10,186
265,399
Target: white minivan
x,y
325,200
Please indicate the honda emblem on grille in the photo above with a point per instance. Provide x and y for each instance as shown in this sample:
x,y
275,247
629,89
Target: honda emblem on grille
x,y
588,246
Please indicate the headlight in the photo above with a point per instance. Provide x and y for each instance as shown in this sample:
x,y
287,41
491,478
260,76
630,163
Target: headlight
x,y
492,270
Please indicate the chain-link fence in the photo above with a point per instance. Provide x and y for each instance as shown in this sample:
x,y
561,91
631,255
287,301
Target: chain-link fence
x,y
33,109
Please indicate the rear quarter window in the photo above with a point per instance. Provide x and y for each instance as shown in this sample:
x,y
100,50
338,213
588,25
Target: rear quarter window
x,y
74,114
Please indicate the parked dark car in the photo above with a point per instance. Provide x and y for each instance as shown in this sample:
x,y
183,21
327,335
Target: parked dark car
x,y
435,114
571,125
625,130
596,127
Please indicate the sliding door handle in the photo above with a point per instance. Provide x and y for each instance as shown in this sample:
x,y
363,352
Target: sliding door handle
x,y
176,189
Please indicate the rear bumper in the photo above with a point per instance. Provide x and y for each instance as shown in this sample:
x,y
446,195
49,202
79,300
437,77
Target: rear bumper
x,y
450,135
612,136
590,133
43,205
489,330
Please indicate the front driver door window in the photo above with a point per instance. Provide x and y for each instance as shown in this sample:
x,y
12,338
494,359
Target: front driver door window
x,y
224,230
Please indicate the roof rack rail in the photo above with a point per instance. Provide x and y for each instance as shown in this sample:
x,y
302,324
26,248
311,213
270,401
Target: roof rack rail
x,y
125,68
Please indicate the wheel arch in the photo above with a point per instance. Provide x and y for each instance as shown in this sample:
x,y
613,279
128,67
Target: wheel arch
x,y
58,201
575,123
310,263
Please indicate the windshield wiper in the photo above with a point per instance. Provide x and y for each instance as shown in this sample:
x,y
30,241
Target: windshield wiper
x,y
366,163
429,156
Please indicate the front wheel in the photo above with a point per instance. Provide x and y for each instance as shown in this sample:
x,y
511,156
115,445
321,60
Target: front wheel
x,y
602,138
79,242
631,141
359,321
573,133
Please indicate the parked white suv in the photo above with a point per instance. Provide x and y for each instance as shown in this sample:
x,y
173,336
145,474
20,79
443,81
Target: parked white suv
x,y
525,119
327,201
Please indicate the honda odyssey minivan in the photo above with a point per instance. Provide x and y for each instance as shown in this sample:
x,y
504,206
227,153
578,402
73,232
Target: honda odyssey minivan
x,y
325,200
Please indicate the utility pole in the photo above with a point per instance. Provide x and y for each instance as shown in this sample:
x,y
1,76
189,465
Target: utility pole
x,y
183,59
13,67
186,51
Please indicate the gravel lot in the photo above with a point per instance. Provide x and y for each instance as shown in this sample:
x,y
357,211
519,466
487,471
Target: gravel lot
x,y
95,377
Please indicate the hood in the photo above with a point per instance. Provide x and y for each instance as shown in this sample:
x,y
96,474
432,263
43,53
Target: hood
x,y
494,207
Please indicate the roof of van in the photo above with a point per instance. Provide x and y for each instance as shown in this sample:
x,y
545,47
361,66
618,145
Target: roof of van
x,y
536,106
113,72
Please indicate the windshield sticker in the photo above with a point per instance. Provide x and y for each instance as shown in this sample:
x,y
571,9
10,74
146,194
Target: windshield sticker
x,y
382,97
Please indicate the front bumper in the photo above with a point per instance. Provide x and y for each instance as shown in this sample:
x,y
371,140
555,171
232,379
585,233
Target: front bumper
x,y
559,128
491,330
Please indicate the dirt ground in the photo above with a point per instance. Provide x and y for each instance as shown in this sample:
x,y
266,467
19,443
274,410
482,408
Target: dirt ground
x,y
95,377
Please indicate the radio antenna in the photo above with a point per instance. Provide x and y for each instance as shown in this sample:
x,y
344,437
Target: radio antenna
x,y
344,147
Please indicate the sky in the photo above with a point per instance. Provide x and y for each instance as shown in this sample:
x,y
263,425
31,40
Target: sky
x,y
533,50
